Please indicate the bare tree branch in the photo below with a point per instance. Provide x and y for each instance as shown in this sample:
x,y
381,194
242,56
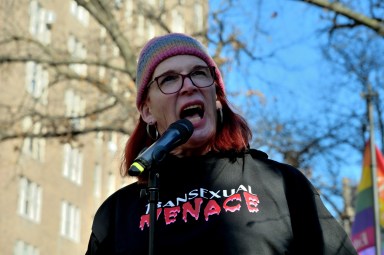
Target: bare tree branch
x,y
359,19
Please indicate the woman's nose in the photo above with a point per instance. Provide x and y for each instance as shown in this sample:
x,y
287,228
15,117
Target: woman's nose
x,y
187,84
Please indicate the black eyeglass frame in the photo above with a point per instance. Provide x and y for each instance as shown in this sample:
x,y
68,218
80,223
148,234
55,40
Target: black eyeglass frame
x,y
212,70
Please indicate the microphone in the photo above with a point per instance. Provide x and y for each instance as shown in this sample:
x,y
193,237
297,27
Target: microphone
x,y
177,134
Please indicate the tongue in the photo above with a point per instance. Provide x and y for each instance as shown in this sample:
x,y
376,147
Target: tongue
x,y
193,118
192,113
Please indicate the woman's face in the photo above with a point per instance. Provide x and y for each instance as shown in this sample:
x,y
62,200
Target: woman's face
x,y
195,104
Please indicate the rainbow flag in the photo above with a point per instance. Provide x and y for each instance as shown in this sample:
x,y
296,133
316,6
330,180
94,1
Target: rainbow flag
x,y
363,227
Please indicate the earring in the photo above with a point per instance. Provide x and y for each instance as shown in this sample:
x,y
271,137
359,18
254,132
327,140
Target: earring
x,y
220,116
156,136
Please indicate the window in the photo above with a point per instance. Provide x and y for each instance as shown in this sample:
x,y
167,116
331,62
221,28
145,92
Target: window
x,y
103,56
177,21
29,199
97,181
23,248
118,4
74,108
150,28
114,83
144,28
140,26
70,221
161,4
112,142
80,13
129,11
102,70
73,163
199,20
115,51
111,183
37,81
33,146
78,52
34,10
40,22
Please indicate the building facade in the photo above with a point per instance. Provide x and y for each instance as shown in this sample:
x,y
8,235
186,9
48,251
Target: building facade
x,y
62,69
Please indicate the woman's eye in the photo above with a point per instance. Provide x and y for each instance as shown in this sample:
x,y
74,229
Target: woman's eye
x,y
198,73
168,78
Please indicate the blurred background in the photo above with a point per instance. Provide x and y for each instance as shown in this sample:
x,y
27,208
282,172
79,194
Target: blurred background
x,y
308,75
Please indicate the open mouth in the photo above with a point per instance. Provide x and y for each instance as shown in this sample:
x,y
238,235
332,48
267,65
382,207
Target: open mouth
x,y
192,111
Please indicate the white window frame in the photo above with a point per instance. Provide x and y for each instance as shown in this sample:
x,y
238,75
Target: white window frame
x,y
30,200
198,13
33,147
40,22
70,226
74,107
73,163
23,248
80,13
129,11
97,180
37,81
111,183
78,51
178,22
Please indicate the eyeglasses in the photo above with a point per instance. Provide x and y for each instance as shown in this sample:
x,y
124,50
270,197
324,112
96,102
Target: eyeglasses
x,y
170,82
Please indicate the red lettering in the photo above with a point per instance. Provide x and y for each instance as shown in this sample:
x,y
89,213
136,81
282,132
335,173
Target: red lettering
x,y
252,202
187,208
144,220
211,209
193,208
170,214
233,208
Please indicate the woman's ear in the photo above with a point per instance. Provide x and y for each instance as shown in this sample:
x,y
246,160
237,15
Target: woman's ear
x,y
145,112
219,110
218,105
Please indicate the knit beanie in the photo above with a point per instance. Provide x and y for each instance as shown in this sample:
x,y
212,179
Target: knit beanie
x,y
162,47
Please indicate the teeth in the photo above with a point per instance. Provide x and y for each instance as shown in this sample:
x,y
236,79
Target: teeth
x,y
193,106
191,110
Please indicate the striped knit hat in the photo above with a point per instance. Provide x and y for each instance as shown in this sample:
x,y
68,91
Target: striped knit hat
x,y
160,48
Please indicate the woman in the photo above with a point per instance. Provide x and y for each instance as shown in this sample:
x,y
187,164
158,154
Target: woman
x,y
216,195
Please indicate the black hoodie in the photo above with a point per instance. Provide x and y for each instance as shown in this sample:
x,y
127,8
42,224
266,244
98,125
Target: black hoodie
x,y
219,204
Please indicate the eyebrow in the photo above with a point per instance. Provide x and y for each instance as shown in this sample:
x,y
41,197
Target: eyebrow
x,y
175,71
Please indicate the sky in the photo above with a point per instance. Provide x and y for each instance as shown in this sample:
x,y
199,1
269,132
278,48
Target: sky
x,y
297,78
288,34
